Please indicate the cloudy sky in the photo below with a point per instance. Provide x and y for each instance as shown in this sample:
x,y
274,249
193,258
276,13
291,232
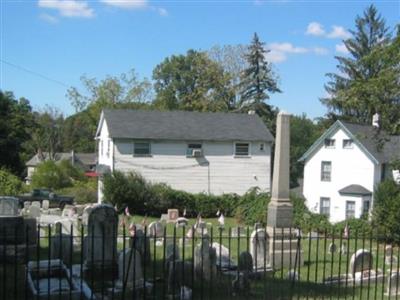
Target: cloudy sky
x,y
46,45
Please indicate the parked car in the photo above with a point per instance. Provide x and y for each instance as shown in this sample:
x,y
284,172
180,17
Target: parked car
x,y
46,194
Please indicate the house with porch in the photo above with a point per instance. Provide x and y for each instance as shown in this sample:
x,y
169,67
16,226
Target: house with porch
x,y
196,152
344,166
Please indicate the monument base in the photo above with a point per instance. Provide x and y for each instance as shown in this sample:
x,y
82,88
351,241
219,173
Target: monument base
x,y
280,214
284,248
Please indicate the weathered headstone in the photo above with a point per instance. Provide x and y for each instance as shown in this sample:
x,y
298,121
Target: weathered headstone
x,y
393,285
173,214
101,240
171,251
141,243
155,229
223,260
390,258
36,203
259,243
181,222
203,260
130,268
241,284
61,247
45,204
179,274
343,248
201,229
9,206
34,211
332,248
361,261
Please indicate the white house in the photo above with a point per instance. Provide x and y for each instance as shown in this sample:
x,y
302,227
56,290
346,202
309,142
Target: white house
x,y
196,152
343,167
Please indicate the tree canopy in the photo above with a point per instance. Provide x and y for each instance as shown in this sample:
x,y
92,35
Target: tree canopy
x,y
367,81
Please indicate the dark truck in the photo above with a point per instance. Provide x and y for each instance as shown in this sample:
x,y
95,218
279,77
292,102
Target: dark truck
x,y
45,194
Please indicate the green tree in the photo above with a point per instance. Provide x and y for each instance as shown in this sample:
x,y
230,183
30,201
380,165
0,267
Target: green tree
x,y
232,59
192,82
123,91
258,80
10,185
15,121
386,212
56,175
367,81
303,133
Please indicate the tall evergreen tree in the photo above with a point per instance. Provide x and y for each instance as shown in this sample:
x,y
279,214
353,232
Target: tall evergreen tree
x,y
257,80
355,92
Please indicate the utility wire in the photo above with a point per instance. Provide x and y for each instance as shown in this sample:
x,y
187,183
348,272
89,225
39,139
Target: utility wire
x,y
34,73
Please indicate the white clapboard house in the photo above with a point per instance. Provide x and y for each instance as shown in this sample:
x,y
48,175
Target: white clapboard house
x,y
343,167
196,152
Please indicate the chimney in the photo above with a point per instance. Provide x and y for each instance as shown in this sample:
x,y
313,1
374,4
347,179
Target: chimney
x,y
251,112
376,120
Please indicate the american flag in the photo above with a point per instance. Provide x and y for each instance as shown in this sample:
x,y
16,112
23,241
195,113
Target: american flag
x,y
127,211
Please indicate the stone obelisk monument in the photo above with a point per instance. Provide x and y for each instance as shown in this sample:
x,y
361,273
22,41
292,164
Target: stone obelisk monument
x,y
283,242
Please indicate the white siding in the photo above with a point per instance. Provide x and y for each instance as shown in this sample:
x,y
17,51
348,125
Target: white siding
x,y
105,147
349,166
217,172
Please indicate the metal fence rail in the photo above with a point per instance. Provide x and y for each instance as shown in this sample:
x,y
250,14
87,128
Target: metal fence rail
x,y
194,263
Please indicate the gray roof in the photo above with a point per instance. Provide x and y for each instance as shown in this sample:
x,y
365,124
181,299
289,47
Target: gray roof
x,y
382,146
85,159
185,125
377,144
355,189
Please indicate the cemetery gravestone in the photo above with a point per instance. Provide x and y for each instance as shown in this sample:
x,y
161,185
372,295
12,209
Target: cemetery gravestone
x,y
361,261
393,285
259,250
61,247
173,215
156,229
332,248
223,260
9,206
203,261
101,241
45,204
34,211
130,269
36,203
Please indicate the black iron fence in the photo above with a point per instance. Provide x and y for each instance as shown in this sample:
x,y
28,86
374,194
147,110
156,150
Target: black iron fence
x,y
170,262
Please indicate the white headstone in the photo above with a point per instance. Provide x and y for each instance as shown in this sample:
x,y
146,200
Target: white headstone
x,y
36,203
393,285
155,229
259,248
203,261
223,259
45,204
34,211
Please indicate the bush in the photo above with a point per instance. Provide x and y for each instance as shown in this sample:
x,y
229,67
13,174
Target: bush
x,y
252,207
386,212
142,197
52,175
306,220
10,185
83,192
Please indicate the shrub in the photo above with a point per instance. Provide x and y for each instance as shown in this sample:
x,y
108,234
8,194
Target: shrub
x,y
52,175
306,220
360,226
386,212
10,185
83,192
252,207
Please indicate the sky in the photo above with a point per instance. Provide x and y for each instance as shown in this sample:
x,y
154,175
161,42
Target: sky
x,y
47,45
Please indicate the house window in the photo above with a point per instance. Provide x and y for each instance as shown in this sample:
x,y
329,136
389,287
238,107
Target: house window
x,y
350,209
329,143
325,206
262,147
194,150
108,148
141,149
366,207
242,149
347,144
326,168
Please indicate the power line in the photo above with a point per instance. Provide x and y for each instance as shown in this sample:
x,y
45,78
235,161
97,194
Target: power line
x,y
35,73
